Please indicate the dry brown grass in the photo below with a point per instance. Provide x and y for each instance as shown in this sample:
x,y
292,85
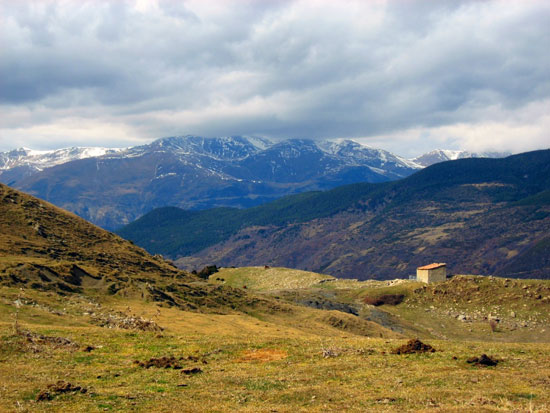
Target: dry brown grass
x,y
265,362
254,353
255,365
263,355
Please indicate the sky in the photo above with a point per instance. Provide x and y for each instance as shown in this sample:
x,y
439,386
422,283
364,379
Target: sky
x,y
406,76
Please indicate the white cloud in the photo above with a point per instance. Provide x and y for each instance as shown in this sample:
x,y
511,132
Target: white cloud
x,y
505,130
404,75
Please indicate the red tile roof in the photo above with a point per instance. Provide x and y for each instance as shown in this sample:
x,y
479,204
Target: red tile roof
x,y
432,266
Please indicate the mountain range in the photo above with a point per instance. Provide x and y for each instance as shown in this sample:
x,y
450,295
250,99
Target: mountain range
x,y
480,216
112,187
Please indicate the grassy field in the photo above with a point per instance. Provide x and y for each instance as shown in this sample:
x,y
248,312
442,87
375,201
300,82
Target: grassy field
x,y
92,323
460,309
268,279
281,359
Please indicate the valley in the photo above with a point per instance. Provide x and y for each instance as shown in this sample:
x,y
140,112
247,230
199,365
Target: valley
x,y
288,357
90,322
480,216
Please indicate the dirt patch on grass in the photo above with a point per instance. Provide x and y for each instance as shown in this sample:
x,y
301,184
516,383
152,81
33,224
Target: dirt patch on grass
x,y
171,362
339,351
161,362
124,321
36,341
58,388
263,355
192,370
483,361
413,346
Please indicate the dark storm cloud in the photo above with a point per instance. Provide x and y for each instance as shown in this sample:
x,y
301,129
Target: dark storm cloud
x,y
294,68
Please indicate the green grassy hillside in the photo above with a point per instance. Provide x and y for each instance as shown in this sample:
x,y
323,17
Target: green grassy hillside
x,y
173,231
45,248
460,308
289,358
267,279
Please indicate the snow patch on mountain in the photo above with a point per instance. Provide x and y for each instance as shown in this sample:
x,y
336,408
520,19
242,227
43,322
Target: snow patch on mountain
x,y
40,160
221,148
442,155
214,154
360,154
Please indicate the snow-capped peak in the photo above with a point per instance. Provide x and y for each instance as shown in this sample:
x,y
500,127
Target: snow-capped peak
x,y
442,155
220,148
361,153
39,160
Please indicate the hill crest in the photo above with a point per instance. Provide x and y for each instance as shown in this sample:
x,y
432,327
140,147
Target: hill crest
x,y
45,248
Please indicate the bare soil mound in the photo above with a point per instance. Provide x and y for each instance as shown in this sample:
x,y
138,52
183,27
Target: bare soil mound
x,y
484,360
125,321
36,340
160,362
192,370
58,388
413,346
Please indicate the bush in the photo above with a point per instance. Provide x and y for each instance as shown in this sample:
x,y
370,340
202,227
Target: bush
x,y
207,271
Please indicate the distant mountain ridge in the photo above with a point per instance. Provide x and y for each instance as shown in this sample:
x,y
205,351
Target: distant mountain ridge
x,y
112,187
193,172
480,216
22,162
223,149
232,148
442,155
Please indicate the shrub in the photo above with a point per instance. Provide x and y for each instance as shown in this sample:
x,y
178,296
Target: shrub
x,y
207,271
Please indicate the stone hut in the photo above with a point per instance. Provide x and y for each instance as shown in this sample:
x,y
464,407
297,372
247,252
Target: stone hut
x,y
432,273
